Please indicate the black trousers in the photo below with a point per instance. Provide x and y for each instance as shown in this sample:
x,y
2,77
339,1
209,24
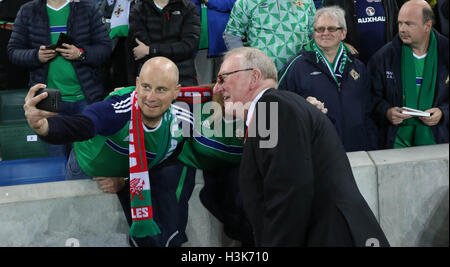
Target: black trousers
x,y
170,211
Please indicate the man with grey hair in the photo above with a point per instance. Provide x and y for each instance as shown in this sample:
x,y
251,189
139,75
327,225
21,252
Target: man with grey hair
x,y
331,78
412,72
297,190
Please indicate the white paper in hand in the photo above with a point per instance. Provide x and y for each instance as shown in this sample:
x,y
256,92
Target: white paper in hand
x,y
414,112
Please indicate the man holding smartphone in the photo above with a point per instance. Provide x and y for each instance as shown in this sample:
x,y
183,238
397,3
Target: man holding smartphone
x,y
104,136
63,44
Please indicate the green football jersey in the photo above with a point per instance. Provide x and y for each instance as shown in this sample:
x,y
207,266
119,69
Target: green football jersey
x,y
279,28
107,153
61,74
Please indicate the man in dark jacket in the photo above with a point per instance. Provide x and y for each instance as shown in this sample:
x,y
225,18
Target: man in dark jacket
x,y
412,71
168,28
296,182
91,44
73,67
371,24
328,72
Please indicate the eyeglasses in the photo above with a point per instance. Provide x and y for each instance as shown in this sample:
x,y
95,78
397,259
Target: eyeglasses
x,y
221,77
330,29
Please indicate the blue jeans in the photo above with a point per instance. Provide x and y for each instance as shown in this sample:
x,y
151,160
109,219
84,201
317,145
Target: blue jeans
x,y
67,108
73,169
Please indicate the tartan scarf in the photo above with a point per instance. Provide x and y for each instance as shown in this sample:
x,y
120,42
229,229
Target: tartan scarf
x,y
412,131
140,196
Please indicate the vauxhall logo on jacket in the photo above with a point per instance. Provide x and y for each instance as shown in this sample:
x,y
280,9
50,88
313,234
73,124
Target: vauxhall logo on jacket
x,y
370,11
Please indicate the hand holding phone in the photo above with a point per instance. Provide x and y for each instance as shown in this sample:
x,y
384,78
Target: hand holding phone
x,y
63,38
52,102
37,118
51,47
45,54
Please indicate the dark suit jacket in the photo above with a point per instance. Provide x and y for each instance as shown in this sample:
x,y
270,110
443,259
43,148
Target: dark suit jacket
x,y
302,191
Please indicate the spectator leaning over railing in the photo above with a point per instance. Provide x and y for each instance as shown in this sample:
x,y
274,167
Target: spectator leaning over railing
x,y
412,71
326,73
137,132
296,181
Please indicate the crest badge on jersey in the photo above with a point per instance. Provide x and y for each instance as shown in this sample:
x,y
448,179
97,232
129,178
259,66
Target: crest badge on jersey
x,y
355,75
298,3
370,11
119,10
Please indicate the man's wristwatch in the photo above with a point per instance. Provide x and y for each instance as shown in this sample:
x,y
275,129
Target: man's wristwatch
x,y
82,55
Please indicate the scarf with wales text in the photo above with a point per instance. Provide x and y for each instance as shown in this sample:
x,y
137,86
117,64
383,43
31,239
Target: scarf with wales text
x,y
140,198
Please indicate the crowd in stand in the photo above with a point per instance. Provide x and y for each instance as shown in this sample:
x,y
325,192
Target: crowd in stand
x,y
195,35
362,63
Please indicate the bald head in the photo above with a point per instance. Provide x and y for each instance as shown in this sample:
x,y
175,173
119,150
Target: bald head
x,y
415,22
420,8
157,86
160,66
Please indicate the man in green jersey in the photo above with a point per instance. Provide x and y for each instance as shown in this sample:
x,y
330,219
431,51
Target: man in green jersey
x,y
278,27
105,128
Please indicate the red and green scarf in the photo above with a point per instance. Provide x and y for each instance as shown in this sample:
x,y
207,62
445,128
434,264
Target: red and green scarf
x,y
140,197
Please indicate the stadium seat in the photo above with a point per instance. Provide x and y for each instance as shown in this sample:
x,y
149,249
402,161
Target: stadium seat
x,y
11,105
18,141
31,171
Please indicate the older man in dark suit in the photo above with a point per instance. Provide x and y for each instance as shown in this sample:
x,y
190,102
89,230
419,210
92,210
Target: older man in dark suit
x,y
296,182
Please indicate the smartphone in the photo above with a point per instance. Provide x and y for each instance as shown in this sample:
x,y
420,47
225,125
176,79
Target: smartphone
x,y
52,46
63,38
52,102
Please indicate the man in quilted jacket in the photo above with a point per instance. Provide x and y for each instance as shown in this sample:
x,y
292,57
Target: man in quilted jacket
x,y
73,66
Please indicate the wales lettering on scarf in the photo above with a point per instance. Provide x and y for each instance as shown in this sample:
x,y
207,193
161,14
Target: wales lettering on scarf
x,y
141,213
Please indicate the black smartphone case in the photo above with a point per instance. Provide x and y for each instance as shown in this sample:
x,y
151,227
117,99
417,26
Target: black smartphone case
x,y
52,102
63,38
